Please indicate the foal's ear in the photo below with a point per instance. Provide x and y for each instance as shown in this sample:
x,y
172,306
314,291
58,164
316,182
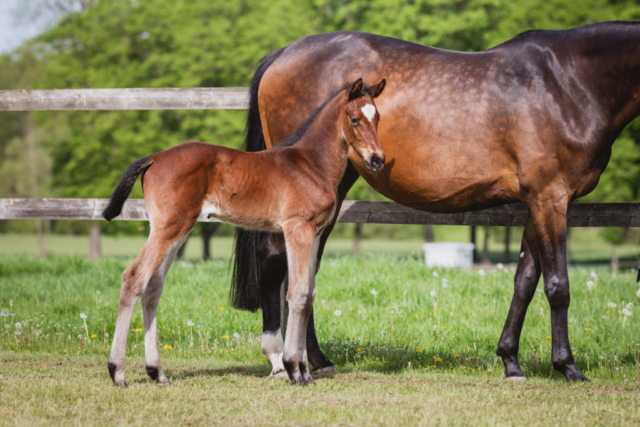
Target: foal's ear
x,y
376,90
356,89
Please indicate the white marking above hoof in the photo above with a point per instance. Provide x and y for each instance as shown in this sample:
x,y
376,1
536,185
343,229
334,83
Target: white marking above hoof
x,y
514,379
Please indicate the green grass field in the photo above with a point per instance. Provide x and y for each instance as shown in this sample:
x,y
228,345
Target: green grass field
x,y
403,355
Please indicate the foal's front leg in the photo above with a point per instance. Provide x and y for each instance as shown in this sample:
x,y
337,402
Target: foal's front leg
x,y
302,249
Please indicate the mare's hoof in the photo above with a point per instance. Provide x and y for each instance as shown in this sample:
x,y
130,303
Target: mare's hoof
x,y
514,378
280,374
572,373
327,371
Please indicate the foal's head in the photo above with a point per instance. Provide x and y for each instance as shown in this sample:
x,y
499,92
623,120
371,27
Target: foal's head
x,y
360,124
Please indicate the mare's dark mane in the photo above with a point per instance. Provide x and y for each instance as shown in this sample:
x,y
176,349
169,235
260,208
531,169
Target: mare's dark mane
x,y
304,127
585,29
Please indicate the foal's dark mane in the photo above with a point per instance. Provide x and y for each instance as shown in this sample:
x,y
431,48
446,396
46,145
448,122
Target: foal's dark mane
x,y
304,127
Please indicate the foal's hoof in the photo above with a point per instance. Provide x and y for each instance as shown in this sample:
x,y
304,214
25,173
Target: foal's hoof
x,y
300,381
121,383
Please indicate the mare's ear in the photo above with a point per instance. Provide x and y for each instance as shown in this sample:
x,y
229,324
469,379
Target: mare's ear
x,y
356,89
376,90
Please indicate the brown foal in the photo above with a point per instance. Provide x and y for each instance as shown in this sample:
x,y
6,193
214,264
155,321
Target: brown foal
x,y
291,189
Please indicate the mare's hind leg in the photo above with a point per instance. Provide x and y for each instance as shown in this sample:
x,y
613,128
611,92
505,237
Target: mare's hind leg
x,y
150,299
549,217
273,269
525,283
134,283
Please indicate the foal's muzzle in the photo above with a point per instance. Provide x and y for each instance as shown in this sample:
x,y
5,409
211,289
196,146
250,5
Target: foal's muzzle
x,y
376,162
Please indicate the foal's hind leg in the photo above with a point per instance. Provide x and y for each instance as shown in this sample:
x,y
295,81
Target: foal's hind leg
x,y
134,282
526,281
150,299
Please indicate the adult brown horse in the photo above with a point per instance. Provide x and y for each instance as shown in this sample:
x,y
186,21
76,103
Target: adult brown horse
x,y
531,120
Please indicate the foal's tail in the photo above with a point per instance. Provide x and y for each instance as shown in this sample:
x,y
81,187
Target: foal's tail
x,y
245,280
123,189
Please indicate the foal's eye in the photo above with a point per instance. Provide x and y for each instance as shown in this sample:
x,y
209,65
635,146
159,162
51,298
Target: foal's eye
x,y
354,121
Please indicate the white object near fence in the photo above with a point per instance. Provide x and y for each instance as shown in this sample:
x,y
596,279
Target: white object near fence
x,y
448,254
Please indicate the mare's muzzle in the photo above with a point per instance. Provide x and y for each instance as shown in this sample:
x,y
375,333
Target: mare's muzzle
x,y
376,162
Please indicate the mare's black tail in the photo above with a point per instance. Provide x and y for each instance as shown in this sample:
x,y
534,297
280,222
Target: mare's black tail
x,y
245,280
123,189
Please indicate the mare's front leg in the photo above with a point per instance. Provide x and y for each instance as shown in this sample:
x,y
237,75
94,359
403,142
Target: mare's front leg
x,y
302,248
549,216
525,283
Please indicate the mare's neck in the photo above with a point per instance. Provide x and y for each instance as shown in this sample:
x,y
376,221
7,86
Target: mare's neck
x,y
323,144
610,57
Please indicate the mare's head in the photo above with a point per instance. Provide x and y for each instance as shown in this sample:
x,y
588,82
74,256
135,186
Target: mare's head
x,y
360,124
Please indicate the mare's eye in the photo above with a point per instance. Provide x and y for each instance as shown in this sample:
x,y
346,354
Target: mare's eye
x,y
354,121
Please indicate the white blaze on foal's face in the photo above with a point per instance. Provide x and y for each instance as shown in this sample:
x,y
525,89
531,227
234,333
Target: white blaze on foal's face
x,y
369,112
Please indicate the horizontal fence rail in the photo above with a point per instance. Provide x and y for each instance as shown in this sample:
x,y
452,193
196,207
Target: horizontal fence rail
x,y
215,98
580,214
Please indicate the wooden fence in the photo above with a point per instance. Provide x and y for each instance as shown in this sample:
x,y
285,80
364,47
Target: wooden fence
x,y
580,215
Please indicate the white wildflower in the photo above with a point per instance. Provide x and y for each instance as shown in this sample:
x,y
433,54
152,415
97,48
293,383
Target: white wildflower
x,y
323,302
612,304
590,284
374,292
638,293
18,325
434,294
190,323
500,266
626,312
435,274
18,332
83,316
106,334
236,335
481,272
629,306
4,313
337,313
383,335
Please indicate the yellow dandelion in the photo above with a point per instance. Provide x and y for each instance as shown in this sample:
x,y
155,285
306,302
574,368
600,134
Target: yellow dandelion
x,y
443,328
548,337
94,336
587,330
225,337
415,315
573,352
418,350
456,355
438,359
168,347
569,326
472,357
360,348
138,329
221,308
